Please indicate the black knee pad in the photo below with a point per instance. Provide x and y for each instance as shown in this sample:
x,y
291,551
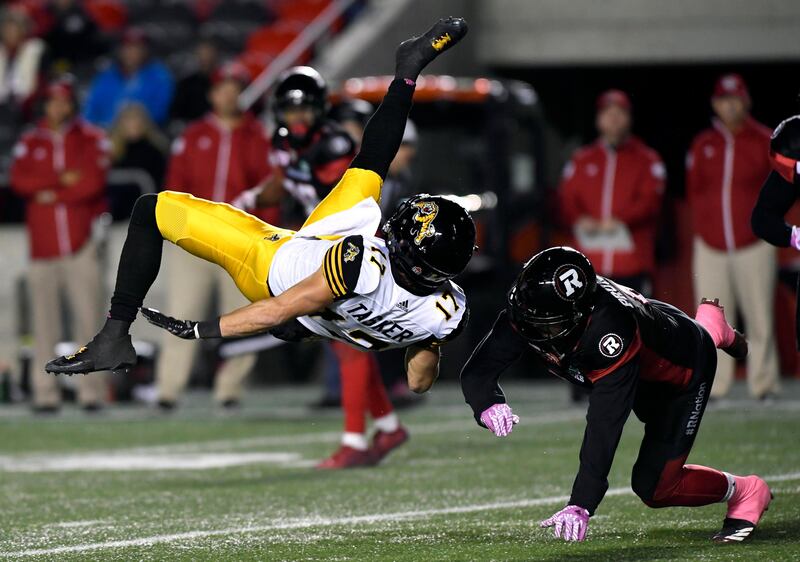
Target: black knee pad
x,y
144,211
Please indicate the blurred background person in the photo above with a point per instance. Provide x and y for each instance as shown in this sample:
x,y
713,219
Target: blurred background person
x,y
216,158
726,166
21,61
133,76
137,145
611,194
310,152
352,115
60,168
191,92
73,38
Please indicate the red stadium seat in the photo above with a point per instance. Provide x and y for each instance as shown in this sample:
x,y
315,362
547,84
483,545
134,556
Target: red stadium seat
x,y
301,10
268,42
109,15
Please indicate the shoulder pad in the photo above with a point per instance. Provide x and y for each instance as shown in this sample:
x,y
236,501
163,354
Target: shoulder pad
x,y
611,340
454,333
451,304
341,266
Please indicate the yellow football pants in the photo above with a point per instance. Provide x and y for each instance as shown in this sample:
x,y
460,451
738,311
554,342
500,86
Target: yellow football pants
x,y
240,243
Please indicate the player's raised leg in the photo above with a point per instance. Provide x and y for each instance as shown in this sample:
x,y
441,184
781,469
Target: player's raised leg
x,y
711,316
138,268
384,132
215,232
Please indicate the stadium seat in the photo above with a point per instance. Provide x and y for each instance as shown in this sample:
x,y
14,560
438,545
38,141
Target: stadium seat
x,y
230,35
168,36
242,11
110,15
300,10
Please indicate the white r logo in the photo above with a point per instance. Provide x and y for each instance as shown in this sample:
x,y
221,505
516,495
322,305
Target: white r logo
x,y
610,345
571,282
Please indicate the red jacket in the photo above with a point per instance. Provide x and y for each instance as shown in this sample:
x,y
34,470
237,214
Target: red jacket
x,y
41,156
724,173
625,184
215,163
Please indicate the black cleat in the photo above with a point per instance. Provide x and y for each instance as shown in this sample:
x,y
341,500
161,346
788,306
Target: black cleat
x,y
110,350
231,405
416,53
92,408
734,530
166,406
46,409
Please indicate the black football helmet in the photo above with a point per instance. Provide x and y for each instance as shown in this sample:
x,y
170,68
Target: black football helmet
x,y
784,148
430,240
300,86
553,295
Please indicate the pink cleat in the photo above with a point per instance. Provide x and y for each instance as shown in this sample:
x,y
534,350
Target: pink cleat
x,y
745,508
711,316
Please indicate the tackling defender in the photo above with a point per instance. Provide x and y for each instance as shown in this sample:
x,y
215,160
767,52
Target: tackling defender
x,y
333,278
633,354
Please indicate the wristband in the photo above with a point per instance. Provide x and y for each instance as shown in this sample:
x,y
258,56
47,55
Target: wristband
x,y
794,240
208,329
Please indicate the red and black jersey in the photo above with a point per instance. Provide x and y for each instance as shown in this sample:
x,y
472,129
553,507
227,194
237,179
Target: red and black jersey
x,y
311,172
628,341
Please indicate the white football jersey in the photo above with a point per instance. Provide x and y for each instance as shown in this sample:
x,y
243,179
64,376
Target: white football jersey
x,y
370,311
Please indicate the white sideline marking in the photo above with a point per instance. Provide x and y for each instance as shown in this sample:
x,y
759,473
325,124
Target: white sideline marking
x,y
309,522
124,461
85,523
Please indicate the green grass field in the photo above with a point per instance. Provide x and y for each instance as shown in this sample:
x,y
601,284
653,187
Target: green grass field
x,y
132,485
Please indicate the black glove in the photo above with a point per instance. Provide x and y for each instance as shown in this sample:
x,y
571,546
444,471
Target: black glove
x,y
186,329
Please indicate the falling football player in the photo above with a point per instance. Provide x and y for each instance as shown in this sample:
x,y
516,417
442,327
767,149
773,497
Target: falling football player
x,y
333,278
633,354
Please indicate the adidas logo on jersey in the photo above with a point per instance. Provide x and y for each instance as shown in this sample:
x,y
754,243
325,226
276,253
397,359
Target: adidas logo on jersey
x,y
402,305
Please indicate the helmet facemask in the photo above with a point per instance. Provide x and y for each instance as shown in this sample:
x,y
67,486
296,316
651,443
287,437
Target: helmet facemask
x,y
541,328
553,296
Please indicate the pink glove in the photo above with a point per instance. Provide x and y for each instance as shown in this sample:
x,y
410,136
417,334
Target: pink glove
x,y
573,521
794,241
499,419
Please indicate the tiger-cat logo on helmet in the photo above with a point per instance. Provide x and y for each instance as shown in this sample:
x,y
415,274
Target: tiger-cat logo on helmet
x,y
426,212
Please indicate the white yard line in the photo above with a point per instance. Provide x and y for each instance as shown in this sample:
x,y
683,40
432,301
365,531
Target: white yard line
x,y
418,428
84,523
123,461
306,523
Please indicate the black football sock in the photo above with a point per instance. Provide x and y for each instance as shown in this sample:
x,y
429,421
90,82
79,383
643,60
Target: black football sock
x,y
138,264
384,131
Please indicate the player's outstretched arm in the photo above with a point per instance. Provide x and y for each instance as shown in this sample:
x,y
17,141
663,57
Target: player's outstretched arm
x,y
499,349
422,367
307,297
